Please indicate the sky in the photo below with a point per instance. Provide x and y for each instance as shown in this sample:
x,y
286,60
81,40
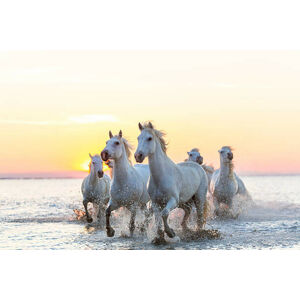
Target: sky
x,y
57,106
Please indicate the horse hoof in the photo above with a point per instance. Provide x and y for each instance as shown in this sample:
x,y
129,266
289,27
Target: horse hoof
x,y
110,232
89,220
159,241
170,233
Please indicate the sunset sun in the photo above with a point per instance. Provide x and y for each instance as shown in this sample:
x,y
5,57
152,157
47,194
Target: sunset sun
x,y
84,166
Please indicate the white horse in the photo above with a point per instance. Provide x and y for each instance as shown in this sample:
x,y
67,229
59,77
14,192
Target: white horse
x,y
129,184
171,185
95,188
225,184
195,156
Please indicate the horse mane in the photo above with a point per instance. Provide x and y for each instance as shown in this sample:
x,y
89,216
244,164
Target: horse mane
x,y
128,147
228,147
208,168
158,133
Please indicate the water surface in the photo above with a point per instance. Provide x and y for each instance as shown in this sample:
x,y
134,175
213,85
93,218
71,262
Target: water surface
x,y
38,214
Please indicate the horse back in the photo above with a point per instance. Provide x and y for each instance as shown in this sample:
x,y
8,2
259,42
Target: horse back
x,y
190,168
193,177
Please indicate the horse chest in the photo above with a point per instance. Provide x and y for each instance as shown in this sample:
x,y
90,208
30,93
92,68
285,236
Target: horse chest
x,y
125,192
225,190
93,196
159,193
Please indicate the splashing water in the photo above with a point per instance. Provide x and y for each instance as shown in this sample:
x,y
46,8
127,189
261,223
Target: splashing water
x,y
38,214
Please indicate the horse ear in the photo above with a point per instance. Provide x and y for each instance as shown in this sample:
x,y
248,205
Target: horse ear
x,y
120,133
110,134
188,153
150,125
90,155
141,127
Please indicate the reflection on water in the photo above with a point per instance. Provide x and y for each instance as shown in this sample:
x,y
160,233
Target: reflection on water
x,y
38,214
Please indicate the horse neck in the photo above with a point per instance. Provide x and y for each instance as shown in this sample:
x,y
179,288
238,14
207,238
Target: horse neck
x,y
121,166
226,170
158,163
92,176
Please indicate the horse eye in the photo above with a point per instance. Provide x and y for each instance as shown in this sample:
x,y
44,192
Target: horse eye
x,y
191,155
117,143
149,139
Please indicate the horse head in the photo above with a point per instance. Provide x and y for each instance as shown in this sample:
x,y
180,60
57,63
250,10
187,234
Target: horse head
x,y
96,165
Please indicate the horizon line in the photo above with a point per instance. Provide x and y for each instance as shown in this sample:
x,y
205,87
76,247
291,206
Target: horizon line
x,y
83,173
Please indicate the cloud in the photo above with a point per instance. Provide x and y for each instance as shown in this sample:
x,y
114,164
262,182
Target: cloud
x,y
81,119
85,119
224,85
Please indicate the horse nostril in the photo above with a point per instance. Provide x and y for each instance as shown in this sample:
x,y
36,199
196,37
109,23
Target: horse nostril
x,y
104,154
138,156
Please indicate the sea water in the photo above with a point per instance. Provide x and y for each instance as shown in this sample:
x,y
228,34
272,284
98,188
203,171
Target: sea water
x,y
38,214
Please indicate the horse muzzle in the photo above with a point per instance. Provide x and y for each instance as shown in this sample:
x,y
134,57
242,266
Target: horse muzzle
x,y
230,156
200,160
100,174
139,157
105,155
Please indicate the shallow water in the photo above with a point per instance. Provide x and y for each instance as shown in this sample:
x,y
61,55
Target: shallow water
x,y
38,214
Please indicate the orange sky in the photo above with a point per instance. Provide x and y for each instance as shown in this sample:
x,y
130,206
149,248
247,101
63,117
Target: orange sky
x,y
58,106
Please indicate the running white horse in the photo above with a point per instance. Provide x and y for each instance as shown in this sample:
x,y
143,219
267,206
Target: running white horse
x,y
95,188
225,184
129,184
171,185
194,155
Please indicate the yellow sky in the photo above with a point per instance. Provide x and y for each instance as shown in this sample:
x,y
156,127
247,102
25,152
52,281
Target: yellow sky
x,y
58,106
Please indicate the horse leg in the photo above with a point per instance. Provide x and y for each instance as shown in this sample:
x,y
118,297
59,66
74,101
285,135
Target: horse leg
x,y
172,203
109,230
160,239
96,209
147,215
88,217
187,211
132,221
100,215
217,206
201,207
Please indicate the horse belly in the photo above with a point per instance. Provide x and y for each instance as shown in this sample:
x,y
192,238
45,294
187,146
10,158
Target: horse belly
x,y
190,185
160,197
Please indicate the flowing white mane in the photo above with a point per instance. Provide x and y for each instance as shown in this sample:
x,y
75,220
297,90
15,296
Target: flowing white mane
x,y
128,147
158,133
208,168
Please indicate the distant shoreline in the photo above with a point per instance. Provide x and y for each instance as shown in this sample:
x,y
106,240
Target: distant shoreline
x,y
77,177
